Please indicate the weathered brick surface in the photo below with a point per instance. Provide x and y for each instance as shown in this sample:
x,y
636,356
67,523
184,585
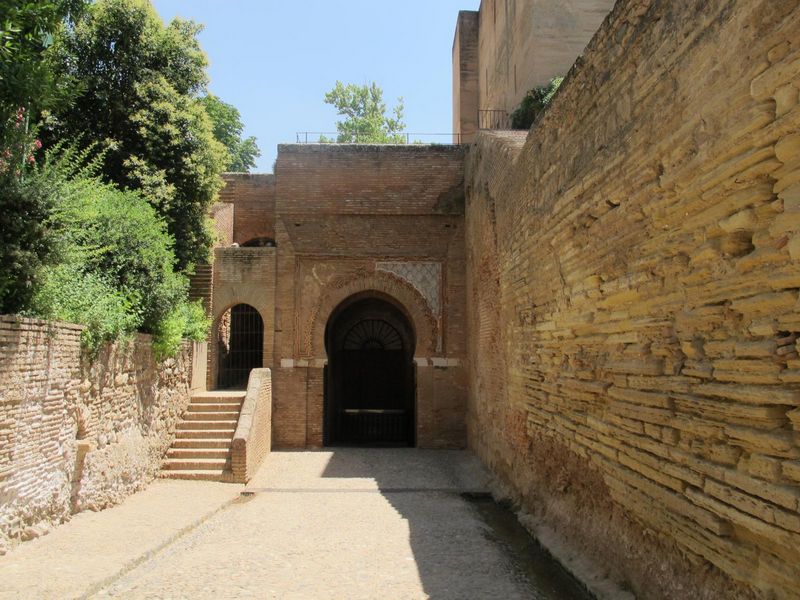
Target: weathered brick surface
x,y
252,198
75,433
465,77
222,216
242,276
252,440
325,179
633,299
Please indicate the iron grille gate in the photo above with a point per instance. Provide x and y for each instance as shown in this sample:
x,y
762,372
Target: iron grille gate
x,y
241,346
373,406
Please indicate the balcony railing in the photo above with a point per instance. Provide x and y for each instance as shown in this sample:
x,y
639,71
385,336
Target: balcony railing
x,y
331,137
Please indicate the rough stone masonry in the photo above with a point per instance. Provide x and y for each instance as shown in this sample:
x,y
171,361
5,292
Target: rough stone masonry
x,y
633,270
75,433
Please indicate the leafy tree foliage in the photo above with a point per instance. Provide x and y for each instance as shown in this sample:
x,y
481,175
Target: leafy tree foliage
x,y
27,30
115,271
228,128
140,80
27,85
534,103
364,111
26,241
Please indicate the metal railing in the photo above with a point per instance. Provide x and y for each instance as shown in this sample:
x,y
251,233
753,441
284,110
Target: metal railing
x,y
493,119
405,137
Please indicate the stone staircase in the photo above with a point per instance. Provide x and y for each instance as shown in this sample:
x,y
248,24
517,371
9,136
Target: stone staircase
x,y
202,447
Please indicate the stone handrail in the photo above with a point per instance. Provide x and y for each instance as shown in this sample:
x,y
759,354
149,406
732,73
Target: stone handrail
x,y
253,437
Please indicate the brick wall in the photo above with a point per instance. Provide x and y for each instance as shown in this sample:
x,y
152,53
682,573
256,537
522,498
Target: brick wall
x,y
377,219
78,434
222,216
242,276
325,179
252,440
633,300
252,197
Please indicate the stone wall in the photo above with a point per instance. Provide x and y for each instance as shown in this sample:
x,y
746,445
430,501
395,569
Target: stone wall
x,y
525,43
465,77
633,301
78,434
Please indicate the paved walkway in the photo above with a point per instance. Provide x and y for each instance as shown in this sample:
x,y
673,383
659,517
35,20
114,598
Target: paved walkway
x,y
347,523
95,547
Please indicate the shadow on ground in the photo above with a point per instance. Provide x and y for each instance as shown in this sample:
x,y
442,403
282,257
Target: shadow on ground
x,y
464,544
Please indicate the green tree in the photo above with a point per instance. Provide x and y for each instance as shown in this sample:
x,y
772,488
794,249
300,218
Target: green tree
x,y
140,83
228,128
27,85
115,269
27,31
26,241
364,111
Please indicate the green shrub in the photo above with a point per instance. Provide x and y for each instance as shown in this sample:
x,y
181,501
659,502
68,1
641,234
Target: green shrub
x,y
187,320
197,323
119,235
534,103
68,293
115,272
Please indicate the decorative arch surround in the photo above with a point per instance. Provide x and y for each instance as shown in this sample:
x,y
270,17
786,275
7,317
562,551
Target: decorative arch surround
x,y
382,284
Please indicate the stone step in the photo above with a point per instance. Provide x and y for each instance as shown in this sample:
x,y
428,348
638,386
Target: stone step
x,y
211,416
192,453
205,434
202,401
217,397
209,407
223,475
208,442
195,425
195,464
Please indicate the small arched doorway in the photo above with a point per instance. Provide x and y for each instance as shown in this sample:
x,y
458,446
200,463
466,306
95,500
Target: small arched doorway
x,y
370,388
240,346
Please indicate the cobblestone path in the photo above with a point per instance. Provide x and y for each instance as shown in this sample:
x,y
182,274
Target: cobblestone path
x,y
346,523
343,524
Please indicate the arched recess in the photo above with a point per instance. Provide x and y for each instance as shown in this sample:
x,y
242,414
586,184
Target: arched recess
x,y
377,284
259,242
239,345
370,379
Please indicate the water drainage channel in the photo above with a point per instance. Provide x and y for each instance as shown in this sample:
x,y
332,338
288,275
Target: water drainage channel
x,y
547,578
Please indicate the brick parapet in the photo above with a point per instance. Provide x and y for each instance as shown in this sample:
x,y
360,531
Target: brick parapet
x,y
252,440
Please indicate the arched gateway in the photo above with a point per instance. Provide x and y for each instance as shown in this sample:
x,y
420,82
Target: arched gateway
x,y
370,388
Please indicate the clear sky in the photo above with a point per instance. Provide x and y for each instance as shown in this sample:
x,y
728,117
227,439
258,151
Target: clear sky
x,y
275,60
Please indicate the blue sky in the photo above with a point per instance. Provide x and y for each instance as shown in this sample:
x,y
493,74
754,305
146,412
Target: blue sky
x,y
274,60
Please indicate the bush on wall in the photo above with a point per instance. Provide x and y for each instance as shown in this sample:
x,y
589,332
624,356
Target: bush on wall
x,y
534,103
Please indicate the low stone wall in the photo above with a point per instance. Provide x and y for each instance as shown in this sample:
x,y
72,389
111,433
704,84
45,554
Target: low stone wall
x,y
633,275
77,434
252,440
